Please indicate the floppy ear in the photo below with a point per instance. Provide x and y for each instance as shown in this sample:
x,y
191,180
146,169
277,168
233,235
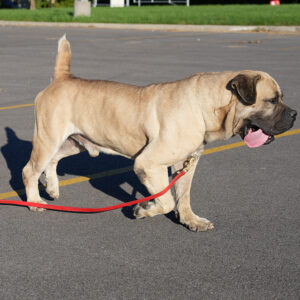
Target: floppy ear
x,y
245,88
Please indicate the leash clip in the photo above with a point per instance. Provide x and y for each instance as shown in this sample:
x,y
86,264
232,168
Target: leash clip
x,y
188,164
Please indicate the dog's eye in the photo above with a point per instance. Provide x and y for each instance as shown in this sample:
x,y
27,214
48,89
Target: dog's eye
x,y
273,100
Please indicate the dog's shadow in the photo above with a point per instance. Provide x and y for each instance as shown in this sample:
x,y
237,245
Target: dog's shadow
x,y
17,153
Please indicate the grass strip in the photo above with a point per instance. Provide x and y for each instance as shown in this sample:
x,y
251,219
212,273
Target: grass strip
x,y
283,15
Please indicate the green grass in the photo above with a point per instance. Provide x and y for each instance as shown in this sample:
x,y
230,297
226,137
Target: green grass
x,y
208,14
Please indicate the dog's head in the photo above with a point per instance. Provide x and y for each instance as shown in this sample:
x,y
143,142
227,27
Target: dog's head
x,y
260,106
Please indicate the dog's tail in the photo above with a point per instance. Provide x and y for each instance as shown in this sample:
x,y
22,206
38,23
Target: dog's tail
x,y
63,59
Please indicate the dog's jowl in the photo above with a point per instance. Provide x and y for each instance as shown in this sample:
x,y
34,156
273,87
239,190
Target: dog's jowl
x,y
158,126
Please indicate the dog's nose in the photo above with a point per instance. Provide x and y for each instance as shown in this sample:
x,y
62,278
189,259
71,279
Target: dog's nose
x,y
293,113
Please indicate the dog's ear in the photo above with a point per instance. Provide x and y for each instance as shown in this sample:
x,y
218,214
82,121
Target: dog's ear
x,y
245,88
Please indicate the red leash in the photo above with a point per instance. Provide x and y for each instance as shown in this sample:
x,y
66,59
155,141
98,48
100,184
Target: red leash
x,y
95,210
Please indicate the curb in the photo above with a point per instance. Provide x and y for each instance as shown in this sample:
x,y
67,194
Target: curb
x,y
160,27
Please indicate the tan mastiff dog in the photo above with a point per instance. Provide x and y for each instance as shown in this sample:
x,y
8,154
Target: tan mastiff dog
x,y
158,126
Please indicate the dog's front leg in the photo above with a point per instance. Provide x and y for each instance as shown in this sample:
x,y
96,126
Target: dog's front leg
x,y
182,190
155,178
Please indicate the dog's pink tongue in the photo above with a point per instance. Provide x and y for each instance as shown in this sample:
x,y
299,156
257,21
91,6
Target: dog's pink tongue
x,y
255,139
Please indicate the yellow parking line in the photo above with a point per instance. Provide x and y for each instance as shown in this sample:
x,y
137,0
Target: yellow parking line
x,y
223,148
291,132
129,168
12,194
72,181
94,176
16,106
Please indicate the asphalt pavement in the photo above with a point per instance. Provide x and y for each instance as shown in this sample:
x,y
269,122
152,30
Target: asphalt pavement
x,y
251,195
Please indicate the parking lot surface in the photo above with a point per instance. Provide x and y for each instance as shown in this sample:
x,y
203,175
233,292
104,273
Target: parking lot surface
x,y
251,195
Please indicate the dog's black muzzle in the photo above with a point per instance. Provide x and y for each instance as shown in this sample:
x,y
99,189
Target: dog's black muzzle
x,y
282,121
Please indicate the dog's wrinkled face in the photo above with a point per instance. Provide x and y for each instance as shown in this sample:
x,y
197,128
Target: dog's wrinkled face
x,y
260,106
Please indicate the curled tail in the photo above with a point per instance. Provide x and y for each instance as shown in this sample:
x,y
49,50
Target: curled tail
x,y
63,59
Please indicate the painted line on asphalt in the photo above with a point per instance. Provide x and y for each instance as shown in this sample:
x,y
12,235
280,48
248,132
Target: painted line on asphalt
x,y
72,181
129,168
16,106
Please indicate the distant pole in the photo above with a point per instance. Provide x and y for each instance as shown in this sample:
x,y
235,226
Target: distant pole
x,y
187,2
32,4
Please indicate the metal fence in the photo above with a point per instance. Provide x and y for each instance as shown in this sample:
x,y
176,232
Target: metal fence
x,y
171,2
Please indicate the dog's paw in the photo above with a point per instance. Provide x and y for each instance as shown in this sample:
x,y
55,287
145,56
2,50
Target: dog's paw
x,y
37,209
52,192
143,210
198,224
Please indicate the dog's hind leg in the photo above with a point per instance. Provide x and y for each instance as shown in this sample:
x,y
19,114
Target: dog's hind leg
x,y
41,155
68,148
182,190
